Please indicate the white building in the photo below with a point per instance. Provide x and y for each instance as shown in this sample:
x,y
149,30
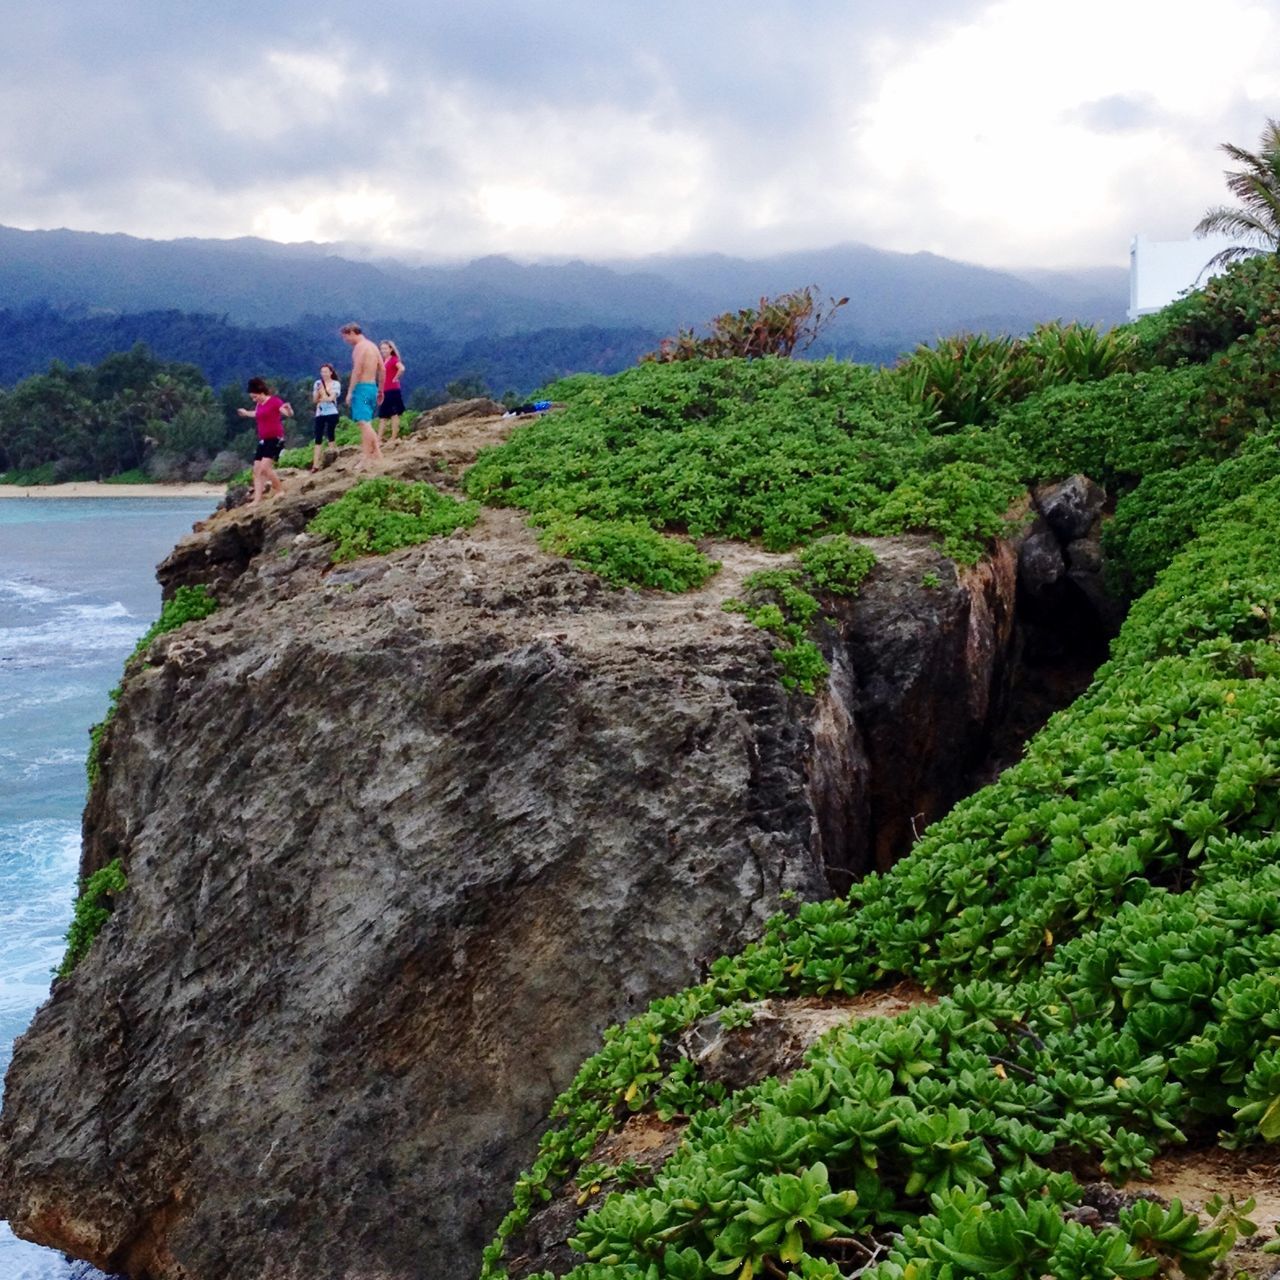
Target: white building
x,y
1162,270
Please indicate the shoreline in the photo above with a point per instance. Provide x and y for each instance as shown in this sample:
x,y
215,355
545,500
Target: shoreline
x,y
96,489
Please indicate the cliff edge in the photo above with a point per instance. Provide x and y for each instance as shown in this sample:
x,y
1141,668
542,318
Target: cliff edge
x,y
403,836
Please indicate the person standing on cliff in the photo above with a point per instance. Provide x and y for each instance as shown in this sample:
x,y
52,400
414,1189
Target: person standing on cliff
x,y
392,399
270,412
364,391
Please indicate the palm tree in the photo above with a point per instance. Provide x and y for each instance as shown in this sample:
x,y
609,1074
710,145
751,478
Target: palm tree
x,y
1257,186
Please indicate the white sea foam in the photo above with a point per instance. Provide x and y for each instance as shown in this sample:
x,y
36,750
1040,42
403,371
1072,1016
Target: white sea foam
x,y
38,864
68,635
29,592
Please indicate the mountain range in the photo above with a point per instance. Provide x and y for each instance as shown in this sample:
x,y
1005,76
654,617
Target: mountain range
x,y
69,292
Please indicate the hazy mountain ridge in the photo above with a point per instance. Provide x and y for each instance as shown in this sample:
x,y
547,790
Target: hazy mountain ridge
x,y
293,293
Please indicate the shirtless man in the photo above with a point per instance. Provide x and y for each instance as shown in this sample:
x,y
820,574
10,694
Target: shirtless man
x,y
364,391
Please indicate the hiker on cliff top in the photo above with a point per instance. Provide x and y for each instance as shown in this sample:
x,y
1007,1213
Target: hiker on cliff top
x,y
392,399
364,392
324,395
270,413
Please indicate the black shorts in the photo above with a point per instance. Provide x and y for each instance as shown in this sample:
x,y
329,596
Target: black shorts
x,y
326,425
392,403
269,449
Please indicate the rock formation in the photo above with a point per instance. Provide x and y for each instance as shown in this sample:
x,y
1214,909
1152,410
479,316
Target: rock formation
x,y
403,836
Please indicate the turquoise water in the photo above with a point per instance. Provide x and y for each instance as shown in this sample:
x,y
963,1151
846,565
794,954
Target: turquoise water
x,y
77,589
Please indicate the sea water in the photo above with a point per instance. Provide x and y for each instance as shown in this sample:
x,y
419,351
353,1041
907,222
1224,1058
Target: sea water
x,y
77,589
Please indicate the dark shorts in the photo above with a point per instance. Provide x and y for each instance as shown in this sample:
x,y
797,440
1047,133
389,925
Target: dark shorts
x,y
269,449
392,403
326,425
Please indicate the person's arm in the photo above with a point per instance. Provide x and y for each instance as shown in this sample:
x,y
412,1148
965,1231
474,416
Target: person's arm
x,y
381,376
286,409
246,413
317,392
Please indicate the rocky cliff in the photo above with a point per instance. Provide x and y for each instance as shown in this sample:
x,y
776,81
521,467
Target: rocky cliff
x,y
403,836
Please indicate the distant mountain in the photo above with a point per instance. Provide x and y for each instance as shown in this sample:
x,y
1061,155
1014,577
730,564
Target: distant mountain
x,y
895,300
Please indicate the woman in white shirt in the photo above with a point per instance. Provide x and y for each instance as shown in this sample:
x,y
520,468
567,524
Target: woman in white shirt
x,y
324,395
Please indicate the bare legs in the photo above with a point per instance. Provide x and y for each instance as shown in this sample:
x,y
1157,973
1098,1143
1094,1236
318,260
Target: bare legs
x,y
370,446
264,473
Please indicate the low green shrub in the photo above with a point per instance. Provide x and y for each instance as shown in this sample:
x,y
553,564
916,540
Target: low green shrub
x,y
1240,301
93,907
187,604
777,603
837,566
770,449
1168,508
43,474
380,515
1104,918
628,553
783,602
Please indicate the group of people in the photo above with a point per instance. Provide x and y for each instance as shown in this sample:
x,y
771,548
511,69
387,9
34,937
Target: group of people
x,y
373,394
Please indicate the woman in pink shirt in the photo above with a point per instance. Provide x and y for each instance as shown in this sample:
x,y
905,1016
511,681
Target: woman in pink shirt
x,y
270,412
392,405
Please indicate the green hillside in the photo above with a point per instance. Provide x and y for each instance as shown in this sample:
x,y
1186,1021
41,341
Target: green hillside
x,y
1100,923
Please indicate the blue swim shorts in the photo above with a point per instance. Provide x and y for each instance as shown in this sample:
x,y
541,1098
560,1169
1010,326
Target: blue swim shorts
x,y
364,401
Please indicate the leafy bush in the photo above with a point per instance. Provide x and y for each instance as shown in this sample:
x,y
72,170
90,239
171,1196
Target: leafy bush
x,y
837,565
380,515
187,604
777,328
781,602
1104,918
964,380
1115,430
1239,302
1168,508
627,553
769,449
92,909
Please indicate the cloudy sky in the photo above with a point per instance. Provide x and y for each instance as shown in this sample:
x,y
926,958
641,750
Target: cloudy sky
x,y
1013,133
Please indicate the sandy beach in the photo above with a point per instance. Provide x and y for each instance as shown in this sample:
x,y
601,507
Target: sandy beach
x,y
92,489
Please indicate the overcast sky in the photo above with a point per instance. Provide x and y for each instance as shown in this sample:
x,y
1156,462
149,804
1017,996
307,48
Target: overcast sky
x,y
1015,133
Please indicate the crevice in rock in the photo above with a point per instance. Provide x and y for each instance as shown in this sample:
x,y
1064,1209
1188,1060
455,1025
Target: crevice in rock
x,y
936,690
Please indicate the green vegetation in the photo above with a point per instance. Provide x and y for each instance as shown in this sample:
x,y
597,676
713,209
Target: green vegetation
x,y
93,906
778,327
781,601
968,380
1256,184
1101,922
769,449
90,423
377,516
187,604
628,553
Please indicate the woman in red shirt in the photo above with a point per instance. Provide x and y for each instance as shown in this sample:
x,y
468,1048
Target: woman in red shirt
x,y
270,412
392,405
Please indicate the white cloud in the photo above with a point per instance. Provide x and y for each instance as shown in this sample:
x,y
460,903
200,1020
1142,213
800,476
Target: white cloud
x,y
1008,132
976,145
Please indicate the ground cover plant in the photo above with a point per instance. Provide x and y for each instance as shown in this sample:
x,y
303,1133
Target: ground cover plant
x,y
769,449
628,553
92,910
187,604
1104,918
782,602
379,515
1100,923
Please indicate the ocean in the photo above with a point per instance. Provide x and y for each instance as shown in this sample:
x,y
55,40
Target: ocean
x,y
77,589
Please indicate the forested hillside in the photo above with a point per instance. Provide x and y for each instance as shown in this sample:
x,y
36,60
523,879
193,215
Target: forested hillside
x,y
228,352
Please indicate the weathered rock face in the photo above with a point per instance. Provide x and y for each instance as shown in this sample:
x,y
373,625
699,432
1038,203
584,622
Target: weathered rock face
x,y
402,837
